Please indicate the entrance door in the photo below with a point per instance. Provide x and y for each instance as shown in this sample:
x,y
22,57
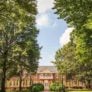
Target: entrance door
x,y
46,85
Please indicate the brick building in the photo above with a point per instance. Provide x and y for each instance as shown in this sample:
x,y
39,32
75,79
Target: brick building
x,y
45,75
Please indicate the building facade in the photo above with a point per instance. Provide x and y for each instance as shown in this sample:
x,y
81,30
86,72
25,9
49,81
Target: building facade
x,y
45,75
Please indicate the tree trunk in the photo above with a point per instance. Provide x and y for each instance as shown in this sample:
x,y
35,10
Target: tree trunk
x,y
20,81
20,84
31,81
88,84
3,81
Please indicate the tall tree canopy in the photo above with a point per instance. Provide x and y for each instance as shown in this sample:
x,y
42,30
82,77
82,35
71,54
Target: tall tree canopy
x,y
78,14
74,12
18,37
65,60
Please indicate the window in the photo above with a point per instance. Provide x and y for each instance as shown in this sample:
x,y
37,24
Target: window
x,y
17,82
26,82
14,83
47,75
10,83
23,82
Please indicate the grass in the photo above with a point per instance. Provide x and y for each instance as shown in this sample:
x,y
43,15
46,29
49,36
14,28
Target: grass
x,y
80,91
67,91
71,90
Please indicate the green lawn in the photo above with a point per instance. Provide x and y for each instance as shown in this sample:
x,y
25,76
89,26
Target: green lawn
x,y
80,91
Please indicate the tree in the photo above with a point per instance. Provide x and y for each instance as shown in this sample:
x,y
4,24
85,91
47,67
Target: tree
x,y
15,16
83,41
65,60
27,53
78,63
7,40
73,12
78,14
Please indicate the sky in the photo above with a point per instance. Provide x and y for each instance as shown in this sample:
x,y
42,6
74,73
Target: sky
x,y
53,34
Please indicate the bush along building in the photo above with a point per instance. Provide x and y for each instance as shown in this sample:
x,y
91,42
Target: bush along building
x,y
45,75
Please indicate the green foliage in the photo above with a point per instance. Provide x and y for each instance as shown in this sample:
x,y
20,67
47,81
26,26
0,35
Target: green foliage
x,y
76,61
37,87
57,87
74,12
78,14
65,60
18,38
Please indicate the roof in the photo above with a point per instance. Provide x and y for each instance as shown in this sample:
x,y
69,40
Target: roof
x,y
47,69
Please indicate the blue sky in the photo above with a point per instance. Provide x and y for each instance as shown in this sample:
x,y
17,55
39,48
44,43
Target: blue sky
x,y
53,31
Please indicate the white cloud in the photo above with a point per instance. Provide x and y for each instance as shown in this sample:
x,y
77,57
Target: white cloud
x,y
44,5
65,37
42,20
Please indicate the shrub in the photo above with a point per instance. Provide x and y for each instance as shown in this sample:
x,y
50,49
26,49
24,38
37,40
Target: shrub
x,y
57,87
37,87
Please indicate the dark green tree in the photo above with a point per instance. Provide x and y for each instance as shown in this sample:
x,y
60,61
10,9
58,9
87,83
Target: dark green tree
x,y
16,17
78,14
8,38
83,41
27,53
